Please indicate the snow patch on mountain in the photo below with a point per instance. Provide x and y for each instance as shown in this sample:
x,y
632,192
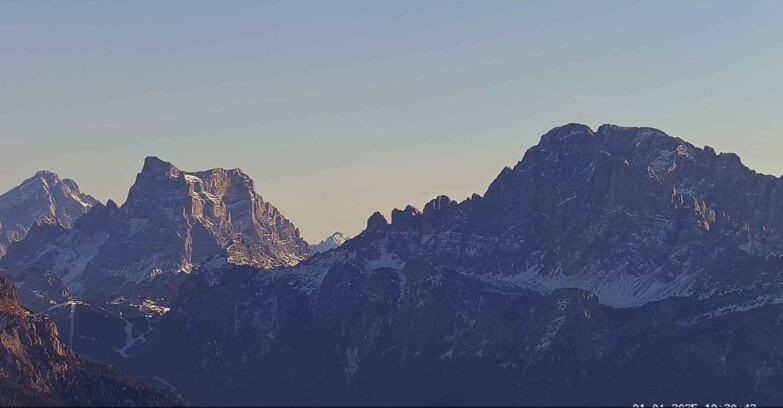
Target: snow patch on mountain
x,y
614,288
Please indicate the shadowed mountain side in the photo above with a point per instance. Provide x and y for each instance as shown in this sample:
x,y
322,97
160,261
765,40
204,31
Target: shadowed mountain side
x,y
36,368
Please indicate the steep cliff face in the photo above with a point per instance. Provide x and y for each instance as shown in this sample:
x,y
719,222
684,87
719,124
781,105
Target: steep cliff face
x,y
171,221
605,267
220,209
36,368
43,196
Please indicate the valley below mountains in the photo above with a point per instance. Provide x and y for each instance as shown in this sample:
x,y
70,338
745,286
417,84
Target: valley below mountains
x,y
38,369
608,267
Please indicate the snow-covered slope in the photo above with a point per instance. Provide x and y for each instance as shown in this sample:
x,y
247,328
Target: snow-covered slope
x,y
43,196
331,242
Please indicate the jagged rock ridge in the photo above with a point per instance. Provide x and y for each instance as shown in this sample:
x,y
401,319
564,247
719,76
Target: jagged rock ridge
x,y
43,196
171,221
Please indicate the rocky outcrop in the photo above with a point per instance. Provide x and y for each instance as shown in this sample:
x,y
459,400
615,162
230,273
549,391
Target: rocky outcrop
x,y
331,242
171,221
43,196
36,368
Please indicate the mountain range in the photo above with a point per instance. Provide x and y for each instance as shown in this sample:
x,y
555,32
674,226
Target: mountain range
x,y
606,267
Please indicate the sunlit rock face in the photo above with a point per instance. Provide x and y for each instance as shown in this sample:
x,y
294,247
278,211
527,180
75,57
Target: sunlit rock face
x,y
171,221
600,252
43,196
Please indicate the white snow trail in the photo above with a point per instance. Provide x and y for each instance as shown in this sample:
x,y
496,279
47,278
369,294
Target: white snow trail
x,y
73,320
130,341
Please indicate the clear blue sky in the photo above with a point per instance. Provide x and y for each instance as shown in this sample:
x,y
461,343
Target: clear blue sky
x,y
338,109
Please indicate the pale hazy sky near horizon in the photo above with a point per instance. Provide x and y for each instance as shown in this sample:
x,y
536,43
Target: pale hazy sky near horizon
x,y
339,109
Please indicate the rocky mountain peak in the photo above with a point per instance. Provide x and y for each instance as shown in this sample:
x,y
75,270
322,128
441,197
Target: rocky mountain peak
x,y
331,242
609,136
376,222
596,210
153,165
438,203
45,196
407,219
570,133
44,173
171,221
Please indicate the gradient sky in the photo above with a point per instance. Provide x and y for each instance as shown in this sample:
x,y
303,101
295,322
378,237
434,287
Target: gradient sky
x,y
337,110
